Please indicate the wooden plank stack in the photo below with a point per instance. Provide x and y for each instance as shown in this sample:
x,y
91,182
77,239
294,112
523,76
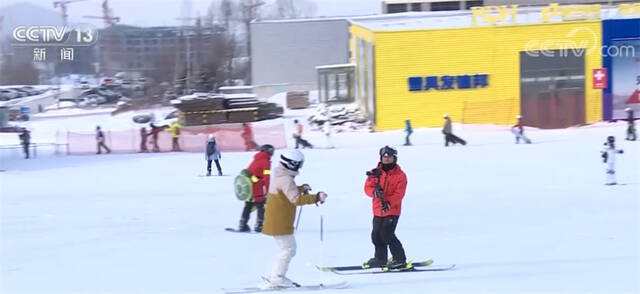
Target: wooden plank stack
x,y
297,99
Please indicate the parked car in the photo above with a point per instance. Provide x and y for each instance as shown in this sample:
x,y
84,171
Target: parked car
x,y
168,120
8,94
21,93
32,90
21,113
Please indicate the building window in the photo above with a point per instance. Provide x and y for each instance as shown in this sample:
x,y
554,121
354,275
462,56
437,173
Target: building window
x,y
396,8
445,6
416,6
470,4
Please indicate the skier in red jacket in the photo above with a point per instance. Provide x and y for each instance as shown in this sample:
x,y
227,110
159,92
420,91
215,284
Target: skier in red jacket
x,y
386,185
247,136
260,171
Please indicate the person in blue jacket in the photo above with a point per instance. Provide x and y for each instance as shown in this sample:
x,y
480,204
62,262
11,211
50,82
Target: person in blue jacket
x,y
409,131
212,153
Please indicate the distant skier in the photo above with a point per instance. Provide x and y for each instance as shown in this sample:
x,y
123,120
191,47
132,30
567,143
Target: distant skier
x,y
284,196
518,131
409,131
175,136
609,157
449,137
297,135
100,139
631,125
212,153
155,131
386,185
247,136
25,140
143,140
326,127
260,173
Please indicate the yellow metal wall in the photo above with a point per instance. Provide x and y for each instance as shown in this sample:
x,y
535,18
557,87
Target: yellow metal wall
x,y
491,50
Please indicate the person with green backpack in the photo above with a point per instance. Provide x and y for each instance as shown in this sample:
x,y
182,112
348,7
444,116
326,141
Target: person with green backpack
x,y
258,172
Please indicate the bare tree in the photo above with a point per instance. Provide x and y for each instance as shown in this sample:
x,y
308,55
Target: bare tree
x,y
251,10
290,9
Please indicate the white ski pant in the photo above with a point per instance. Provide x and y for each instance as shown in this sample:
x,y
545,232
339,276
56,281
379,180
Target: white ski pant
x,y
287,244
329,141
611,171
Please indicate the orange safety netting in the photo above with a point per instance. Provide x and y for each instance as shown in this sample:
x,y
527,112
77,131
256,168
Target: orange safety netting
x,y
191,139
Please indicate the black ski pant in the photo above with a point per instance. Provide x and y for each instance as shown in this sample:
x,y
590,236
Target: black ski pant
x,y
246,213
631,133
303,142
175,145
451,138
383,236
217,165
103,145
406,140
25,148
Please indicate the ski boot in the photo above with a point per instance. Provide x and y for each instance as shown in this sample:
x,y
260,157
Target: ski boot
x,y
374,262
243,227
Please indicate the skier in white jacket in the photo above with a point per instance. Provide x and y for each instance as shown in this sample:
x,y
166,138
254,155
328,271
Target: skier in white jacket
x,y
609,157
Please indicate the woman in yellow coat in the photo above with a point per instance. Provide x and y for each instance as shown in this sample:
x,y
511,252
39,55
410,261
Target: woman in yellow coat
x,y
284,196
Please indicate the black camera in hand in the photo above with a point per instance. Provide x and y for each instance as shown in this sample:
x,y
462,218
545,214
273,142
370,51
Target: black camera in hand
x,y
378,193
385,206
376,172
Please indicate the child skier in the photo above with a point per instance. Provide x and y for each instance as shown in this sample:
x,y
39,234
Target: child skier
x,y
609,157
518,131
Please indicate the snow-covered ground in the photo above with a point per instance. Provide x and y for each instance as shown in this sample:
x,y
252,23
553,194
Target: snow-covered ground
x,y
514,218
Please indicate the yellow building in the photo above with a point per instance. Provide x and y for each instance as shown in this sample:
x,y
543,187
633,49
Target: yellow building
x,y
482,66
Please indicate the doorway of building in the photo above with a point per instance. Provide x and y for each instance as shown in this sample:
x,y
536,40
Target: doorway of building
x,y
552,88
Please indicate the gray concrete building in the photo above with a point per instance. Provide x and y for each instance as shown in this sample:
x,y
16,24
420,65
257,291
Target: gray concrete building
x,y
285,53
148,50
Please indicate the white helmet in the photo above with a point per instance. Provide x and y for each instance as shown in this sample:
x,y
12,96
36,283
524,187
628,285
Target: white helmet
x,y
292,159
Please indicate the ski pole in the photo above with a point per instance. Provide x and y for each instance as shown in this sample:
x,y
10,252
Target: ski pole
x,y
298,220
321,227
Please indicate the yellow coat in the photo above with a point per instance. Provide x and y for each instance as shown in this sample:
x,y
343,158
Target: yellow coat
x,y
174,129
282,200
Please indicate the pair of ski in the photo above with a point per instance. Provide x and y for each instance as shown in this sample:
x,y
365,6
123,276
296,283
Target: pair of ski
x,y
296,287
422,266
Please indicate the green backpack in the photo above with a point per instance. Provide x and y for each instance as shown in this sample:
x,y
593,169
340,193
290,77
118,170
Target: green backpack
x,y
243,186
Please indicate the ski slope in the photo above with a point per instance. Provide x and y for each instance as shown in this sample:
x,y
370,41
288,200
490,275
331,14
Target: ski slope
x,y
514,218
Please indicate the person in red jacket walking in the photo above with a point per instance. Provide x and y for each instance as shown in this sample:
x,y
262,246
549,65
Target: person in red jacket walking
x,y
386,185
259,171
247,136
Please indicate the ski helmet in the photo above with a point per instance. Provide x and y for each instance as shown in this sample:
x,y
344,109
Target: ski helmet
x,y
267,148
611,139
292,159
389,151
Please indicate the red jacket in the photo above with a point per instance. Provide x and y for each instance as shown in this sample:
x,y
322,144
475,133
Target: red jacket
x,y
260,170
394,184
247,133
